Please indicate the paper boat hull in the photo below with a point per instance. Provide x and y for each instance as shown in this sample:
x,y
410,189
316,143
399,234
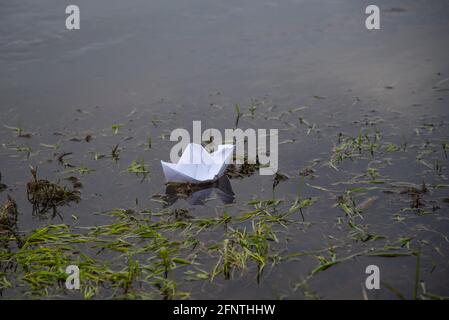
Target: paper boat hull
x,y
210,167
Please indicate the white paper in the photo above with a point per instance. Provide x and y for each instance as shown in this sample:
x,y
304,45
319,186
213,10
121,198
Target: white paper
x,y
198,165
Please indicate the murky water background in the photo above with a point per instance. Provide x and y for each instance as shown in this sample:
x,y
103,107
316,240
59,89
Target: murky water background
x,y
153,66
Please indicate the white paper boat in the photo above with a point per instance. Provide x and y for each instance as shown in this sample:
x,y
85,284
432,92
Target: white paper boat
x,y
197,165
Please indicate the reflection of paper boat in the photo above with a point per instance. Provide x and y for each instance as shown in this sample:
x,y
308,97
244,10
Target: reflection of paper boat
x,y
197,194
197,165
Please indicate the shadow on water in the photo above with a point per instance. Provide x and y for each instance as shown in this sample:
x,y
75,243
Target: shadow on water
x,y
198,194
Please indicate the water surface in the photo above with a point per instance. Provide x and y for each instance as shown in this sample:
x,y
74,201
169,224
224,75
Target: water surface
x,y
310,69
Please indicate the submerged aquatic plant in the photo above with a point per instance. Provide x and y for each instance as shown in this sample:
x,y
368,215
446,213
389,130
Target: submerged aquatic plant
x,y
44,195
243,170
278,178
8,214
3,186
238,114
115,153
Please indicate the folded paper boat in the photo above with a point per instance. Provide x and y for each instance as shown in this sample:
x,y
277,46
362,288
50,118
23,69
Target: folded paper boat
x,y
198,165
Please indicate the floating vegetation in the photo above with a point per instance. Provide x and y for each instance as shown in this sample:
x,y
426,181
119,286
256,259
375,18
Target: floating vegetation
x,y
8,228
8,214
238,114
115,153
116,127
88,138
416,195
19,149
80,170
19,131
61,159
234,171
354,147
307,172
139,168
45,196
49,146
76,183
254,104
278,178
310,127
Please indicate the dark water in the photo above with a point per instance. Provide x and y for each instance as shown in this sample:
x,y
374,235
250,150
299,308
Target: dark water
x,y
154,66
